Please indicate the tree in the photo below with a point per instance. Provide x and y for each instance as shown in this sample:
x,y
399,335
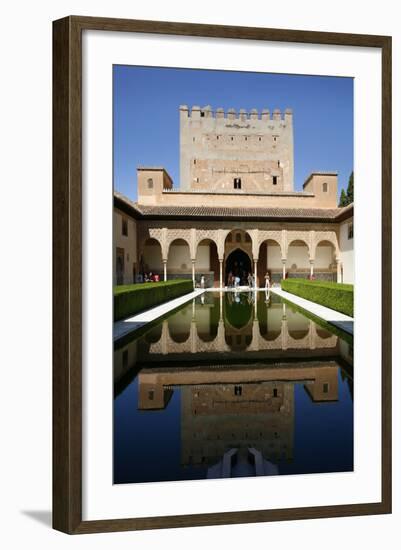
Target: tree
x,y
348,197
343,198
350,189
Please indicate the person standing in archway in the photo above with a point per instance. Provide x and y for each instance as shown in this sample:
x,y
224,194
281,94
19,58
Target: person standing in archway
x,y
267,280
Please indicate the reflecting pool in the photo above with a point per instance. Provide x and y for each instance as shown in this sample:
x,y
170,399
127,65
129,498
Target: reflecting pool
x,y
233,384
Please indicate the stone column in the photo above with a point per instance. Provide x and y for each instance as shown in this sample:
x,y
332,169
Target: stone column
x,y
283,262
193,272
311,268
165,269
221,273
256,272
338,262
221,306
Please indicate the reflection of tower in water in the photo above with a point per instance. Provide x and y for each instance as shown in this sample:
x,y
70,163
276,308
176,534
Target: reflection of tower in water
x,y
217,418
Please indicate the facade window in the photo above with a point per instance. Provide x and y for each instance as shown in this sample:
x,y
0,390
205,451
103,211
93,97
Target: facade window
x,y
237,390
202,113
232,139
260,139
194,161
124,228
325,187
275,392
237,183
350,230
151,394
325,388
274,180
150,183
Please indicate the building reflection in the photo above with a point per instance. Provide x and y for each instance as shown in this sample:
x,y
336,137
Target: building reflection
x,y
236,375
248,409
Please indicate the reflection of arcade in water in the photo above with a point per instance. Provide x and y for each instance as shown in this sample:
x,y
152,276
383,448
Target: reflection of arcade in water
x,y
236,375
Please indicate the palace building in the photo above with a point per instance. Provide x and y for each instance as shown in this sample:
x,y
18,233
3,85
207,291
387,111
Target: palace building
x,y
235,210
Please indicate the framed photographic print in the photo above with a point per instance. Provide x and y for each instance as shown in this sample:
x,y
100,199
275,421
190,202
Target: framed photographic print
x,y
212,269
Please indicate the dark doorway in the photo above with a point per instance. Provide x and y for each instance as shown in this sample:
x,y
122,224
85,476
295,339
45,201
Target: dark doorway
x,y
238,264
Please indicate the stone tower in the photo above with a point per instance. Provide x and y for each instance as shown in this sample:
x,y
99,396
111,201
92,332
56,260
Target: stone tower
x,y
245,152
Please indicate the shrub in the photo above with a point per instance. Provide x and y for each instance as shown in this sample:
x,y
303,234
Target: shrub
x,y
131,299
337,296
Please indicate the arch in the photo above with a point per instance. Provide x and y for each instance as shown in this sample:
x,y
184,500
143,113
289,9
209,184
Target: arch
x,y
179,326
297,239
272,240
246,237
207,262
298,258
238,312
151,257
239,264
328,238
298,326
179,257
325,260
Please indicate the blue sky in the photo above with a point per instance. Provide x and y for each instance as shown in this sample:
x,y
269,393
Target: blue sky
x,y
146,116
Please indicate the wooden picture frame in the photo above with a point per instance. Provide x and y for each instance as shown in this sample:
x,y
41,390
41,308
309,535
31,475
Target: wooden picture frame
x,y
67,273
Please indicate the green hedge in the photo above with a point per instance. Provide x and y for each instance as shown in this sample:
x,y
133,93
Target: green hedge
x,y
131,299
337,296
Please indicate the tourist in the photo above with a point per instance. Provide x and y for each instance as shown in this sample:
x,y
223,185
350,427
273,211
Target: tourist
x,y
250,280
202,281
267,280
156,277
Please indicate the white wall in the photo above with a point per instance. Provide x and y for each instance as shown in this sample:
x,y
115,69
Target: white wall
x,y
26,121
179,258
299,256
273,256
347,252
323,257
126,242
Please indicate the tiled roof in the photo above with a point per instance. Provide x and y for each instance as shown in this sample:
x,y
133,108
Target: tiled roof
x,y
221,212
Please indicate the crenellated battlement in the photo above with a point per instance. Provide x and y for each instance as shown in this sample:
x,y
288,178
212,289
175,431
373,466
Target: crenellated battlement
x,y
197,112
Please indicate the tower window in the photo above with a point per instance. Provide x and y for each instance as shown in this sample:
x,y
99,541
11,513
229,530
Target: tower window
x,y
232,138
150,183
237,183
202,113
325,187
275,392
260,139
325,388
274,180
194,161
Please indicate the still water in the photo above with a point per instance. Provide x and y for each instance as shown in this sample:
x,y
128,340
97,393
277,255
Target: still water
x,y
232,384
